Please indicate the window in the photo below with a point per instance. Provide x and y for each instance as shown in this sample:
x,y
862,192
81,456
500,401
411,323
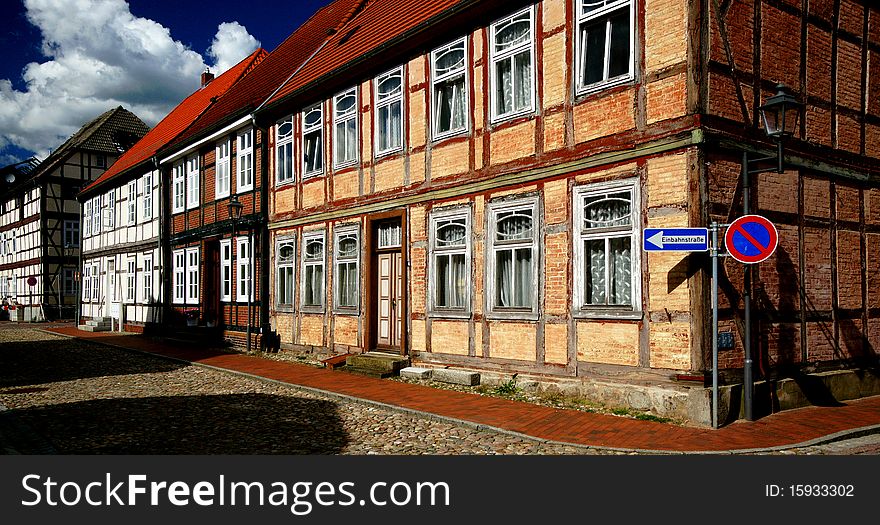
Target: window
x,y
389,235
607,275
313,271
87,218
245,289
450,263
312,141
192,276
345,137
69,282
226,270
148,196
347,275
87,282
512,50
147,276
100,161
71,233
96,279
111,209
284,150
245,161
513,258
179,275
221,170
96,215
449,81
389,111
285,264
132,203
131,280
179,186
604,43
192,182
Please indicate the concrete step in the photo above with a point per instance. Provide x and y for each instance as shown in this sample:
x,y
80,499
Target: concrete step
x,y
90,328
415,372
456,377
378,362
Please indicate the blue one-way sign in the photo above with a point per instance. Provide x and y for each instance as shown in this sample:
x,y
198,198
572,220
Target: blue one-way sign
x,y
676,239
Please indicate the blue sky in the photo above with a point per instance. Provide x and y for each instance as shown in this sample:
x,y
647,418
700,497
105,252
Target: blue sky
x,y
73,59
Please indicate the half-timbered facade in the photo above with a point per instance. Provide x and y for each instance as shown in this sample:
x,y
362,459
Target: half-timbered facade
x,y
469,187
40,228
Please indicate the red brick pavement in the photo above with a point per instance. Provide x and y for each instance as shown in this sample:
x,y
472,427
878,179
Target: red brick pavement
x,y
786,428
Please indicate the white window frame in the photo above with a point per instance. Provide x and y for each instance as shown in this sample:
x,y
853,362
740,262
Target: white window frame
x,y
284,171
308,130
244,288
342,119
131,280
339,234
179,276
307,238
132,203
192,182
68,282
581,234
440,218
496,208
286,264
96,280
147,281
87,283
87,218
71,230
579,59
222,163
226,285
111,208
96,215
244,161
387,101
509,55
193,272
148,196
448,75
179,187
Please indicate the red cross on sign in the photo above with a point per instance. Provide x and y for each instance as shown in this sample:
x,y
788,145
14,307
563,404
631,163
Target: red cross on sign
x,y
751,239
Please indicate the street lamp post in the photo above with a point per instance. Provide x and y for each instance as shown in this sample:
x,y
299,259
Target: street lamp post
x,y
780,117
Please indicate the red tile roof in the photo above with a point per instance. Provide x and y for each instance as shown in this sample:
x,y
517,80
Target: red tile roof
x,y
179,119
247,95
378,24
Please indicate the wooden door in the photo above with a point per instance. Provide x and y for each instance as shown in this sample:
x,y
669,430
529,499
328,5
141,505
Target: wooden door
x,y
389,302
211,296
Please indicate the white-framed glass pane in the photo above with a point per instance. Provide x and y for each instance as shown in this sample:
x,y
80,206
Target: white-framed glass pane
x,y
313,142
285,263
245,161
389,235
284,150
389,111
604,41
449,88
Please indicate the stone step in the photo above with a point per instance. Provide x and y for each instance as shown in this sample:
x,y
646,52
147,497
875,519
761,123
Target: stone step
x,y
378,362
456,377
366,372
95,322
415,372
90,328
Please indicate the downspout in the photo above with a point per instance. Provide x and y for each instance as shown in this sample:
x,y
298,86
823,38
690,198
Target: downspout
x,y
160,223
79,268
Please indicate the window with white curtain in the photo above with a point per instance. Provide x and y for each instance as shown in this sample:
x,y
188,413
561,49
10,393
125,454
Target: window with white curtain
x,y
313,271
192,276
178,179
245,288
110,202
147,278
245,161
389,111
284,150
449,81
347,256
345,136
313,141
226,270
450,261
604,43
178,270
285,271
131,280
148,196
512,51
96,280
192,182
607,273
87,218
96,215
513,258
132,203
221,169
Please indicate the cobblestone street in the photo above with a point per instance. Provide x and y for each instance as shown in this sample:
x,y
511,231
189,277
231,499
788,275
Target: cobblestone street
x,y
85,398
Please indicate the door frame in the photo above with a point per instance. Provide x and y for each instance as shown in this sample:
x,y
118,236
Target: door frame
x,y
372,276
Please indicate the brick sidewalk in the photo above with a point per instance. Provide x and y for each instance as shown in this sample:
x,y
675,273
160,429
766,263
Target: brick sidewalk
x,y
784,429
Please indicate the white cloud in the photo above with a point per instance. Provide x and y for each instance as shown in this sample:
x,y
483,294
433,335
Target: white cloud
x,y
100,56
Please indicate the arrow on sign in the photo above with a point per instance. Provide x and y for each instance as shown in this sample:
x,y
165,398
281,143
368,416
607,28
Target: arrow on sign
x,y
677,239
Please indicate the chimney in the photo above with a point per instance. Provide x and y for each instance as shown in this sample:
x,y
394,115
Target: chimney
x,y
207,77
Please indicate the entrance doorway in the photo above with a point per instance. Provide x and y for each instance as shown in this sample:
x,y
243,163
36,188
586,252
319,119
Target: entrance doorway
x,y
211,306
387,298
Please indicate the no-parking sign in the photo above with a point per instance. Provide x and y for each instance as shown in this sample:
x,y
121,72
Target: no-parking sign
x,y
751,239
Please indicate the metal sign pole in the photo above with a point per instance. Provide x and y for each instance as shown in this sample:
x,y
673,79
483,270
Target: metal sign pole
x,y
714,254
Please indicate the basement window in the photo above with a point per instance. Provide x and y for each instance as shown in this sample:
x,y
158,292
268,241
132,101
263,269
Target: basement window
x,y
604,55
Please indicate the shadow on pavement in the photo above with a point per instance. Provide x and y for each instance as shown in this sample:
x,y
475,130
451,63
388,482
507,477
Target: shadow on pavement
x,y
211,424
52,360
